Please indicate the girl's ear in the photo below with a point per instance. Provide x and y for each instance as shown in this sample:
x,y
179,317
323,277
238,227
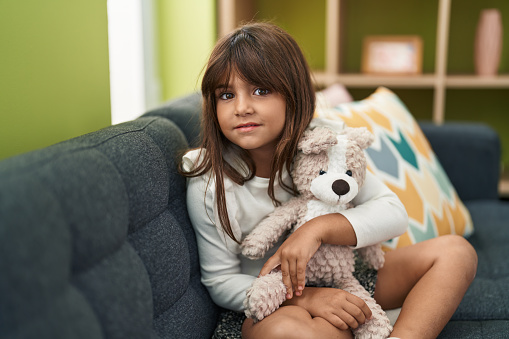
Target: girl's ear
x,y
317,140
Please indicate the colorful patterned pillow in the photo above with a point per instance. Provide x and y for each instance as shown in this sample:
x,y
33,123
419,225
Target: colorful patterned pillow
x,y
403,159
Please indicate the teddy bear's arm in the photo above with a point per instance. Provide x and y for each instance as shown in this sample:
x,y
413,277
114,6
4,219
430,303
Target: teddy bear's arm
x,y
270,229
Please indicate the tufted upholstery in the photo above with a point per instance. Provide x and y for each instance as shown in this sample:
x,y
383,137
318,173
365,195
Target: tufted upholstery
x,y
95,241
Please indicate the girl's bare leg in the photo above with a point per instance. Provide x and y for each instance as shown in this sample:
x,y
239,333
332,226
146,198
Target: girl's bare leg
x,y
428,280
292,322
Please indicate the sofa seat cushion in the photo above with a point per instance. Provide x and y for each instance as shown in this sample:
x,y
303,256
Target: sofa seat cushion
x,y
476,329
488,295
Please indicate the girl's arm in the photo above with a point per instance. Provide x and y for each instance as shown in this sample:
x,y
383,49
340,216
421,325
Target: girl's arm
x,y
378,216
220,266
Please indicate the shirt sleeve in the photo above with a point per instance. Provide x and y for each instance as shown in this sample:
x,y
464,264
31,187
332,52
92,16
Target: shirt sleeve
x,y
378,214
220,265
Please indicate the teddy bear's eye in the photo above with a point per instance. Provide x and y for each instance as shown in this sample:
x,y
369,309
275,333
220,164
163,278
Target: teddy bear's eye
x,y
349,173
322,172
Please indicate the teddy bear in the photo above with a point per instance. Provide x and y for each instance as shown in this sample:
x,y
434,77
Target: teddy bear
x,y
328,172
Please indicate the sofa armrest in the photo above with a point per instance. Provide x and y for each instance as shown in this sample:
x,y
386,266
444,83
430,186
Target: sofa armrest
x,y
470,155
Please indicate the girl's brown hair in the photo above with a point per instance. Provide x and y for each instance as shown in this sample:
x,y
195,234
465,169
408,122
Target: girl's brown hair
x,y
264,55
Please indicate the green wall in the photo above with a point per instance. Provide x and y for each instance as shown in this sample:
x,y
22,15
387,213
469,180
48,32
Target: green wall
x,y
54,78
187,33
304,20
54,72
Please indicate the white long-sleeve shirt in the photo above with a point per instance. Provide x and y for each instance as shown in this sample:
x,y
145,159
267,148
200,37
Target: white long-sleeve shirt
x,y
378,215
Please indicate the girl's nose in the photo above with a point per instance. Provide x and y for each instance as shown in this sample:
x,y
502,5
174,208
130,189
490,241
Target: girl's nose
x,y
243,106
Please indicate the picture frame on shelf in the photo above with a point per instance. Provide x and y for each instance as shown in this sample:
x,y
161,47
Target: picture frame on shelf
x,y
392,55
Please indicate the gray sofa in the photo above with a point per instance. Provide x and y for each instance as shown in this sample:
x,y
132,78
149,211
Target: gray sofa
x,y
95,241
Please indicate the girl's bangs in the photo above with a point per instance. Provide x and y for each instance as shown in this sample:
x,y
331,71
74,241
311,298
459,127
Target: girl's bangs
x,y
253,68
244,60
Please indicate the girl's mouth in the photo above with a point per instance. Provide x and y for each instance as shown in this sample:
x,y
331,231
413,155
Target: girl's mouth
x,y
247,127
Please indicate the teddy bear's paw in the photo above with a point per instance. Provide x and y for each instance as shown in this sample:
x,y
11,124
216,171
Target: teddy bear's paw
x,y
253,249
371,331
379,326
265,296
252,254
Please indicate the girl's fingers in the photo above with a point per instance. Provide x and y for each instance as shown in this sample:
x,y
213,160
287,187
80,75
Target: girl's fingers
x,y
345,320
355,316
359,304
301,277
298,277
293,274
338,322
350,315
285,272
296,270
275,261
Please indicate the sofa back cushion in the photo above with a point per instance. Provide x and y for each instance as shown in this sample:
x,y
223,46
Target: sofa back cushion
x,y
185,112
95,241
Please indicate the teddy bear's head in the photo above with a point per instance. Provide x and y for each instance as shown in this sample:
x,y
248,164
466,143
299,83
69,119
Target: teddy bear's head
x,y
331,166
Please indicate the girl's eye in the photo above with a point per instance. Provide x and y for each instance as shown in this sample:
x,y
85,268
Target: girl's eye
x,y
322,172
261,91
349,173
226,96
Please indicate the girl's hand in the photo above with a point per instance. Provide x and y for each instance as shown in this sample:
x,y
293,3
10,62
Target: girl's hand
x,y
293,256
340,308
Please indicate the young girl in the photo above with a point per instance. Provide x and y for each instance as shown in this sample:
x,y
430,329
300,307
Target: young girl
x,y
258,99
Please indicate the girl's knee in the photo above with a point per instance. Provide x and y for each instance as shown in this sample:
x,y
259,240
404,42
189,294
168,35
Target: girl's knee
x,y
286,322
457,250
458,247
294,323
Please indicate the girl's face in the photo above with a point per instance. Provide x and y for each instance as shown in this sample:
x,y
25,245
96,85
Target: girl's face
x,y
251,117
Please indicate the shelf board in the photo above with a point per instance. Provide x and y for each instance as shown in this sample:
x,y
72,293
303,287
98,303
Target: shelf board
x,y
367,80
412,81
474,81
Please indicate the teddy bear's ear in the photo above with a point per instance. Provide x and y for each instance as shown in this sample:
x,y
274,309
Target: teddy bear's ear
x,y
360,135
317,140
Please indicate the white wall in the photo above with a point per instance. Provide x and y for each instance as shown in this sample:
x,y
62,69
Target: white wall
x,y
134,80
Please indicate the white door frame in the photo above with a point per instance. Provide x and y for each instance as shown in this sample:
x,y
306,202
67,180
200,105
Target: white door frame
x,y
134,81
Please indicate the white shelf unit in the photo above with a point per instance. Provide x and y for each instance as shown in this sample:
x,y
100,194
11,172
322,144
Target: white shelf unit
x,y
233,12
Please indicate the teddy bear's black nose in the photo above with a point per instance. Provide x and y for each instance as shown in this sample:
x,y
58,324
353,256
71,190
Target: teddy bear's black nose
x,y
340,187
